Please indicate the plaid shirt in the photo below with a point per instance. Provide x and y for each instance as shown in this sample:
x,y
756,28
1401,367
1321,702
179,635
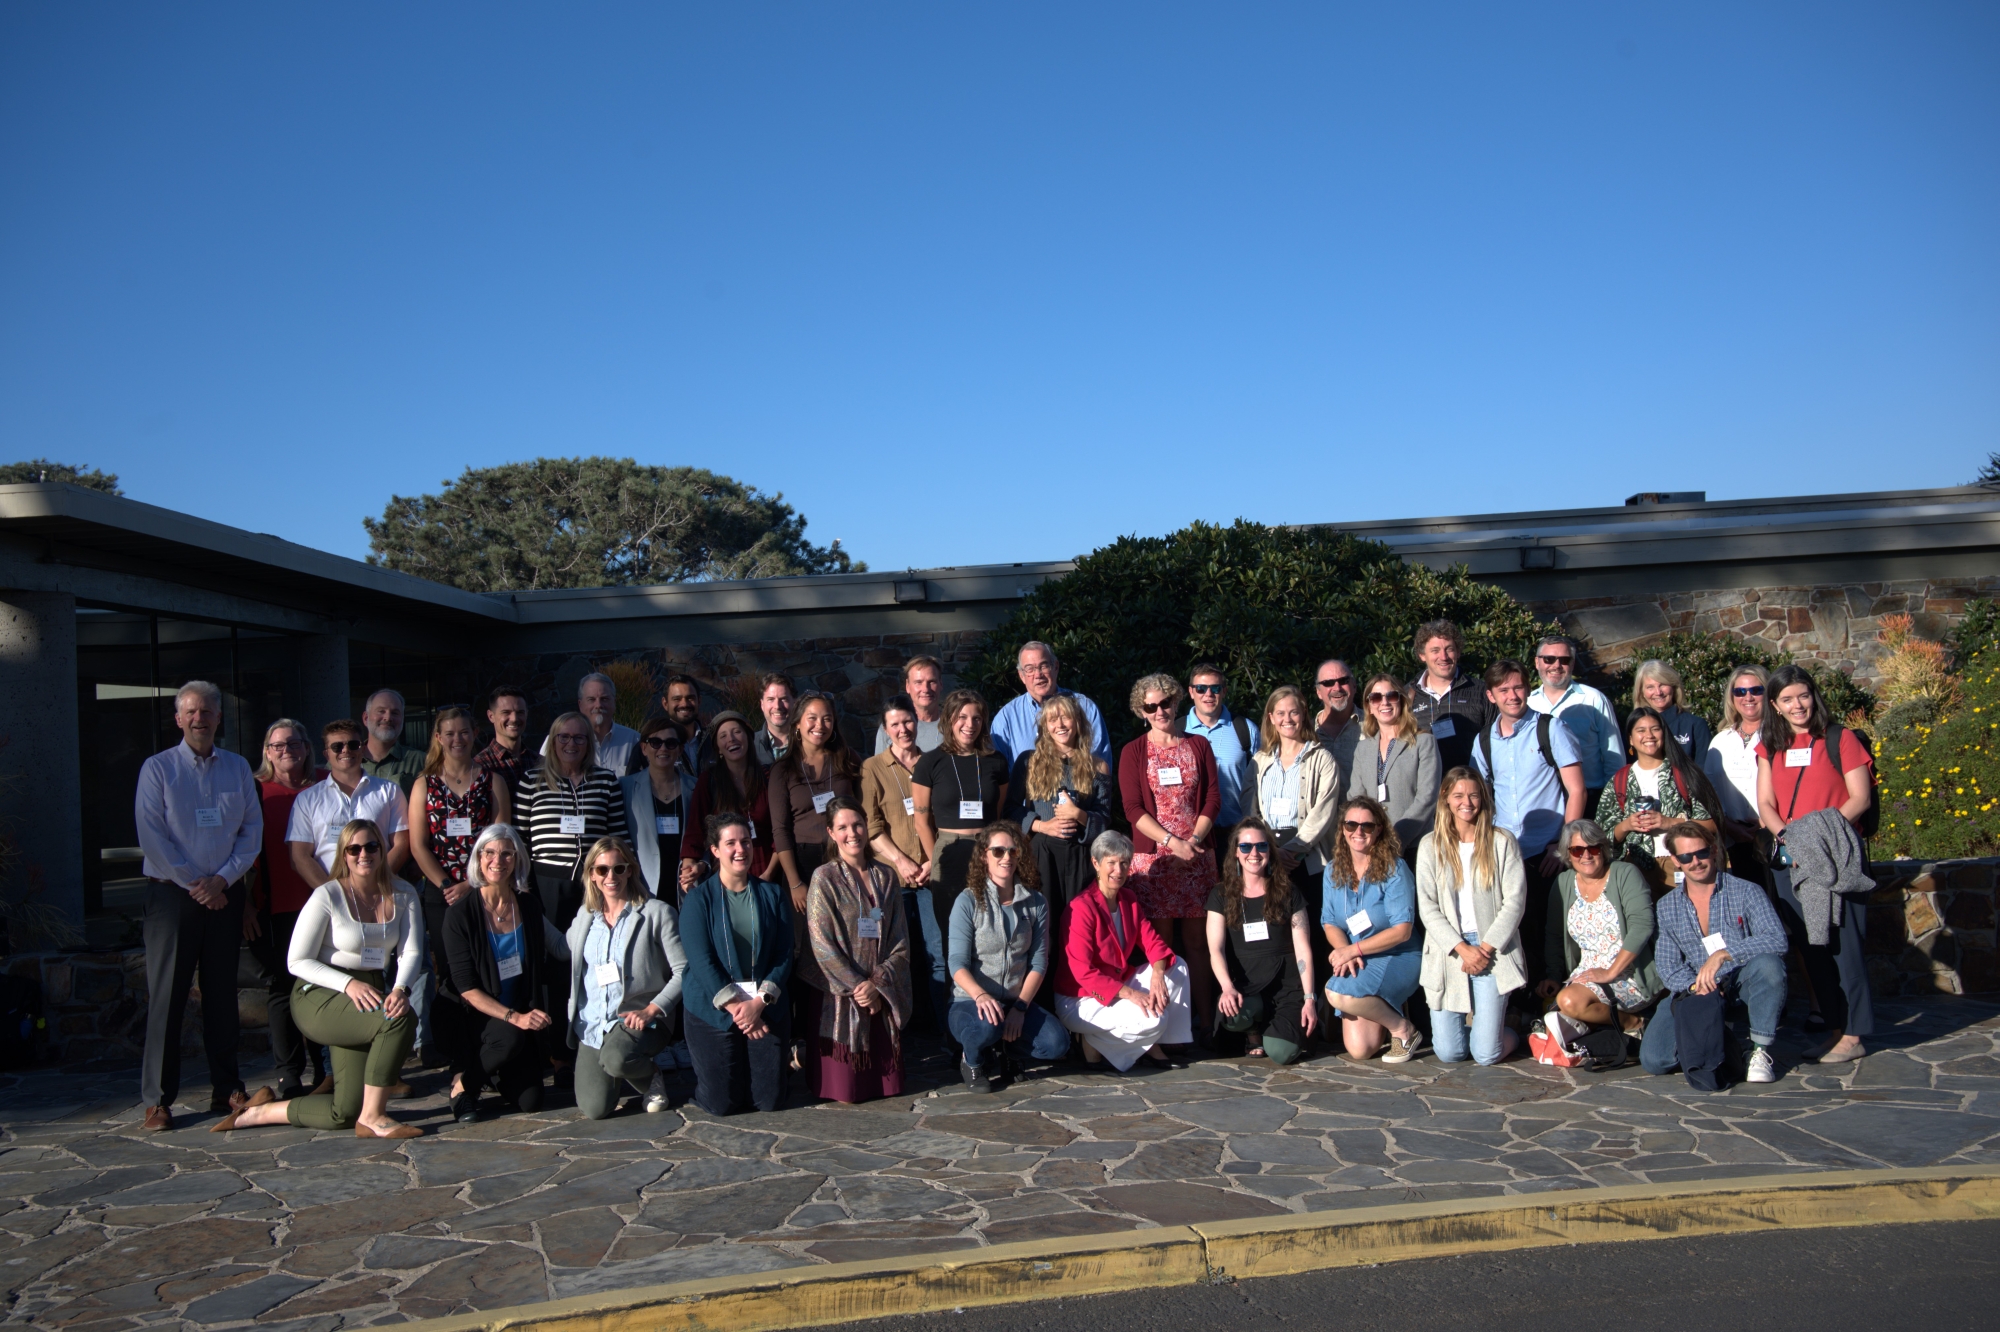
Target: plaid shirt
x,y
1739,911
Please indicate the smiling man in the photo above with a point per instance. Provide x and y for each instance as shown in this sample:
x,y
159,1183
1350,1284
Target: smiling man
x,y
1585,711
1445,699
1014,725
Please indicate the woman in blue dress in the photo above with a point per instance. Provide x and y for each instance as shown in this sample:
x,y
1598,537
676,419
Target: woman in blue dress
x,y
1369,913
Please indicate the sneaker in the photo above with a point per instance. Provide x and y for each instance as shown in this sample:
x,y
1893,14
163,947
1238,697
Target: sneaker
x,y
1761,1067
656,1094
1401,1053
974,1076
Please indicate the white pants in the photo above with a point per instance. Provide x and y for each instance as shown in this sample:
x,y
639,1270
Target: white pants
x,y
1123,1031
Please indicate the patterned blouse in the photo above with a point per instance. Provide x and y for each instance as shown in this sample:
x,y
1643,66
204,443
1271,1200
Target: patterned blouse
x,y
442,805
1674,807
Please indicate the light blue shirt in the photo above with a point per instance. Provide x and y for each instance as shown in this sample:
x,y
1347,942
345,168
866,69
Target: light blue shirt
x,y
1388,902
1014,726
1528,796
1589,717
603,944
1232,760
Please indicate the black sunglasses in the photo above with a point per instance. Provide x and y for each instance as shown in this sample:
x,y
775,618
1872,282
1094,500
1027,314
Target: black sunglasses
x,y
1351,826
342,746
1747,691
356,850
1689,857
660,742
1253,848
1338,682
1206,689
1556,660
1164,705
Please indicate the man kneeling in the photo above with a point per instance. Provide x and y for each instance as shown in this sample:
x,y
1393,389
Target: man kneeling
x,y
1719,940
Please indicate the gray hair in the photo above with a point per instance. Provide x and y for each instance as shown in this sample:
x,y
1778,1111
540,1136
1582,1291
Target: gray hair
x,y
202,687
391,693
1586,831
1038,644
601,678
499,832
1730,716
1655,670
1111,845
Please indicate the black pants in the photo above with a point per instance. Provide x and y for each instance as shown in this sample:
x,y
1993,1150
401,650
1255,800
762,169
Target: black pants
x,y
183,939
270,950
1535,921
562,898
507,1059
732,1074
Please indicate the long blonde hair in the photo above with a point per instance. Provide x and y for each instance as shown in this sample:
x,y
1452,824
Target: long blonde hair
x,y
385,882
1045,764
1267,740
1445,833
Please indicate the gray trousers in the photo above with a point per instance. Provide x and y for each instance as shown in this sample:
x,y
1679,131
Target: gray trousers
x,y
183,939
622,1056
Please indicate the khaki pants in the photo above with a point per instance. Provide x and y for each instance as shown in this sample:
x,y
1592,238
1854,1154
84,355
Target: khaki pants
x,y
368,1049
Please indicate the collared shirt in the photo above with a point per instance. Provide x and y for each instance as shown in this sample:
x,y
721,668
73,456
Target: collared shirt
x,y
604,945
1739,911
507,764
322,809
1731,766
614,749
1232,760
769,750
402,766
1590,718
1342,742
1528,796
198,816
1014,726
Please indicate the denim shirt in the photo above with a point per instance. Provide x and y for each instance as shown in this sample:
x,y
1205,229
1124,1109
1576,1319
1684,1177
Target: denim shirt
x,y
1389,902
602,944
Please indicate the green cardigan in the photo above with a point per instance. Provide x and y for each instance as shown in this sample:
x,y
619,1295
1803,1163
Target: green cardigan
x,y
1628,891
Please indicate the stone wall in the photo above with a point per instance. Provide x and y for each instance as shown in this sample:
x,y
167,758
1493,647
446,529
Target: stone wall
x,y
1838,623
1931,927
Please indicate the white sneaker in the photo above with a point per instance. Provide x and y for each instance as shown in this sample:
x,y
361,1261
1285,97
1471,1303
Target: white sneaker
x,y
656,1094
1761,1067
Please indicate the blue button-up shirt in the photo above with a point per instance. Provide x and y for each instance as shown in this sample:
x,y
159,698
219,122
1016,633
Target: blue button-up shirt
x,y
198,816
1528,796
1588,714
1014,726
1232,760
601,999
1739,911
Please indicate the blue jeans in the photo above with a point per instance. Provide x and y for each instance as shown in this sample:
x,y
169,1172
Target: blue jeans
x,y
1452,1033
1042,1035
1759,983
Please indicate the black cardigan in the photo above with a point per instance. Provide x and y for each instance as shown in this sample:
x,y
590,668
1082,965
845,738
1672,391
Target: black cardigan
x,y
468,953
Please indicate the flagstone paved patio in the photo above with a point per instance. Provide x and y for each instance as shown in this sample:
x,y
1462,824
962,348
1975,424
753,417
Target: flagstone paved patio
x,y
103,1227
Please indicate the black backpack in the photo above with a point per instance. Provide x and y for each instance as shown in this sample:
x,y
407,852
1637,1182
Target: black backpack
x,y
1604,1048
1542,721
1871,818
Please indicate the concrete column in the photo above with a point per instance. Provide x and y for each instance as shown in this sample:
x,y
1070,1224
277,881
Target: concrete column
x,y
323,687
39,766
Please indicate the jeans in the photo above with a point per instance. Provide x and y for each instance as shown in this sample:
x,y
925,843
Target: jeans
x,y
1759,983
1453,1035
1042,1036
930,984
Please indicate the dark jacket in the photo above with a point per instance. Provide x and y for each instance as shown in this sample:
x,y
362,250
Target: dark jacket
x,y
711,946
1465,704
1094,801
468,953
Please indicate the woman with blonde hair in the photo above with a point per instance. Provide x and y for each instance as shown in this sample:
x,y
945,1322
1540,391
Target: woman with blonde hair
x,y
1062,798
1369,913
1731,766
1172,792
1396,761
1471,892
1657,685
625,986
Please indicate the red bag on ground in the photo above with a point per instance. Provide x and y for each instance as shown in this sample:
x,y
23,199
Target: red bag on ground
x,y
1550,1042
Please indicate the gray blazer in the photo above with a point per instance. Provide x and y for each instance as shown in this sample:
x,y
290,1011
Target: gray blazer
x,y
654,964
1411,774
661,881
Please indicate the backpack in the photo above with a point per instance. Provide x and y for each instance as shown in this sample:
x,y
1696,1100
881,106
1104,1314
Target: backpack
x,y
1242,729
1621,779
1871,818
1605,1048
1542,720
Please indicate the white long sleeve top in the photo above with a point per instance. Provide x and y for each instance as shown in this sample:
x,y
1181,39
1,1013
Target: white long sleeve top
x,y
328,936
198,815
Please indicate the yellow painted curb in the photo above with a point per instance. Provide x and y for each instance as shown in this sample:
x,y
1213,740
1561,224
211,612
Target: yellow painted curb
x,y
1266,1246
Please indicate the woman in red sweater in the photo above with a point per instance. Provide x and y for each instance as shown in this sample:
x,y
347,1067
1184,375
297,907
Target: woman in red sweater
x,y
1172,796
1118,985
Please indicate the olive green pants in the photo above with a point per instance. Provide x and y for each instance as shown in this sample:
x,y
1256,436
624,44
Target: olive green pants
x,y
368,1050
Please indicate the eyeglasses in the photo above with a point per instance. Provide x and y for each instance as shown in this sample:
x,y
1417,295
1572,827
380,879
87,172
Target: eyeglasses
x,y
606,871
567,739
1206,689
1338,682
1000,852
1689,857
1554,659
1358,829
1034,668
660,742
1164,705
285,744
1253,848
1580,850
1747,691
357,850
1384,698
342,746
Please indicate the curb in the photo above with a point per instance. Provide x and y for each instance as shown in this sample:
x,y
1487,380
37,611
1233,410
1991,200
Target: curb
x,y
1265,1246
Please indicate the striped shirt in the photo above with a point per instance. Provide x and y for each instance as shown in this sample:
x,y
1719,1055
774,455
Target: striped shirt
x,y
539,811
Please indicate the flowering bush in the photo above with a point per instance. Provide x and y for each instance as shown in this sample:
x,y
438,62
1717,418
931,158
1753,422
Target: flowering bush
x,y
1940,779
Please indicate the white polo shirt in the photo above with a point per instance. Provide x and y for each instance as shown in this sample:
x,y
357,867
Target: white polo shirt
x,y
323,809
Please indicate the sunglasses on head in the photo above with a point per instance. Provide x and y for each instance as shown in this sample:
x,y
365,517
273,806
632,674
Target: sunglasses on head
x,y
1689,857
1351,826
1747,691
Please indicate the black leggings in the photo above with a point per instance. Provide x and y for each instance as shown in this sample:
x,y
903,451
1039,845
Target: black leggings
x,y
507,1059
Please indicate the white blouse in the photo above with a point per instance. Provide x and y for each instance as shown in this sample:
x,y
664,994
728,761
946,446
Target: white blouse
x,y
328,936
1731,765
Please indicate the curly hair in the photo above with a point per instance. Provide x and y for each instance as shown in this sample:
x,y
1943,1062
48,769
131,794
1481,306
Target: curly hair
x,y
1159,680
1045,764
1278,905
1381,861
1025,872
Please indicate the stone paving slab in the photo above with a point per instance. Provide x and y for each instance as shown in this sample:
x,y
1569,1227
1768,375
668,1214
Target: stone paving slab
x,y
105,1227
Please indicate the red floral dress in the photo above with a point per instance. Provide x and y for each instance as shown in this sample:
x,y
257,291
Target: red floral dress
x,y
1167,887
442,804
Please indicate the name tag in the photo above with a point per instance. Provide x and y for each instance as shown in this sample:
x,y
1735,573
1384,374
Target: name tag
x,y
972,809
753,832
871,928
571,825
372,958
1284,813
747,991
666,825
1381,792
820,802
909,807
1798,758
1357,925
458,827
510,966
1713,943
1170,776
1256,931
1442,729
208,818
605,973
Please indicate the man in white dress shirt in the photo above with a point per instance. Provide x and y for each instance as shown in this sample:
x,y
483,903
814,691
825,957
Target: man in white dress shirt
x,y
323,808
597,699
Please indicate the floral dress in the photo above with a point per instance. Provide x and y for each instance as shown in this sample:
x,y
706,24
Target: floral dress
x,y
1167,887
1595,927
442,805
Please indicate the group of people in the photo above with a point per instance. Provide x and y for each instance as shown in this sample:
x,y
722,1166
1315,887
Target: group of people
x,y
759,902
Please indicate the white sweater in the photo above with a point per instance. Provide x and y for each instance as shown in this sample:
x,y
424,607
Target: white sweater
x,y
328,936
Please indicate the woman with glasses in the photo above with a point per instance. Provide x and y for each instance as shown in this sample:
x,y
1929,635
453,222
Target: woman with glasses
x,y
499,949
1731,766
357,930
1369,912
626,988
1172,793
281,894
737,930
856,968
1657,790
959,787
1471,892
656,808
1396,761
1260,948
1123,1011
999,956
1657,685
1600,934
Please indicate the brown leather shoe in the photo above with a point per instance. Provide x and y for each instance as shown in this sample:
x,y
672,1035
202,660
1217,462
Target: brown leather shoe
x,y
400,1131
262,1096
158,1118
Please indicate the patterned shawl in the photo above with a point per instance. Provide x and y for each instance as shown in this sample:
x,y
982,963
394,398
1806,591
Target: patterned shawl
x,y
840,959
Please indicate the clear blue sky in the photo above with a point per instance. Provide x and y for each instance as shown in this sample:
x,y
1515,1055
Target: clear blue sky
x,y
978,283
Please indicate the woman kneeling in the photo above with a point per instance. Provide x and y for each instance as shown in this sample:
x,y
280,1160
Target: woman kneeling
x,y
1260,946
1369,911
1120,1013
625,981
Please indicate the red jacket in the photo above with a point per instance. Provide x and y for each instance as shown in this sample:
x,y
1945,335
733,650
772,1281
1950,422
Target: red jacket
x,y
1140,797
1093,964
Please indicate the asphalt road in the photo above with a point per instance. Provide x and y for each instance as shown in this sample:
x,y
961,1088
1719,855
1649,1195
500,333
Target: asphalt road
x,y
1937,1278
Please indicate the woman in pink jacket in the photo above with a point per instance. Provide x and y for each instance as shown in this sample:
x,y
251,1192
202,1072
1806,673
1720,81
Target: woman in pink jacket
x,y
1118,985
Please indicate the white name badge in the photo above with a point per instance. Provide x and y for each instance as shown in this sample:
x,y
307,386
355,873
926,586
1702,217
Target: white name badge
x,y
458,827
208,818
372,958
1357,924
1442,729
820,802
510,966
571,825
1256,931
753,832
1680,878
747,991
910,807
1713,943
666,825
1382,792
1284,813
606,973
871,928
1798,758
972,809
1170,776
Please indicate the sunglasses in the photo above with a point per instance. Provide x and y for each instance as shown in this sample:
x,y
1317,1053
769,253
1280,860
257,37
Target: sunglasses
x,y
1560,659
606,871
1384,698
1206,689
1000,852
1747,691
1689,857
360,849
343,746
1337,682
1164,705
1253,848
1357,829
1576,851
660,742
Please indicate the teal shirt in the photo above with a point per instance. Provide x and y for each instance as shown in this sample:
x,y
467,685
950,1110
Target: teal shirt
x,y
743,924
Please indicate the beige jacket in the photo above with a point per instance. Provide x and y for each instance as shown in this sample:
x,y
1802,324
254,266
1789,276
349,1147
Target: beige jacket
x,y
1446,986
1319,802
